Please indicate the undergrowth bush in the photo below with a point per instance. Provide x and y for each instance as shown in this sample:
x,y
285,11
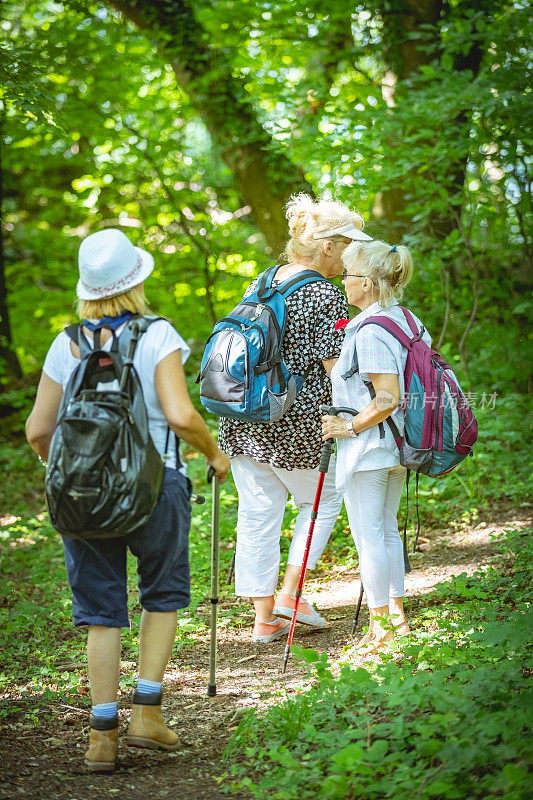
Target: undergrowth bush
x,y
448,716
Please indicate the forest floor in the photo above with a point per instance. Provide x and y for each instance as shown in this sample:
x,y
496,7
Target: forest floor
x,y
45,760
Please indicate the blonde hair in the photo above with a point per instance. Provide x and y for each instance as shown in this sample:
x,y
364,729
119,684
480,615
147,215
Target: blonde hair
x,y
133,300
389,269
306,217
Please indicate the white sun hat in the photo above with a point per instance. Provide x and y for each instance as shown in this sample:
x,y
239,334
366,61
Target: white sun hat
x,y
349,230
110,264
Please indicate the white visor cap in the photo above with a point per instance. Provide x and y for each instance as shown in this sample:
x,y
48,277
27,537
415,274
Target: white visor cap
x,y
350,231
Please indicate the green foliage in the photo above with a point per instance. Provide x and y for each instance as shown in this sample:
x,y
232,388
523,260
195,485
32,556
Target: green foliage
x,y
108,162
447,717
36,608
135,152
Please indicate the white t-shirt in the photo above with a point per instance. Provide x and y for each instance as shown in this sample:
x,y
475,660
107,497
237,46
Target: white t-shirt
x,y
154,345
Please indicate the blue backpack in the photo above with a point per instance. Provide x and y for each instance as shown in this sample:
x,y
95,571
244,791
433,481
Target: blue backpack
x,y
243,374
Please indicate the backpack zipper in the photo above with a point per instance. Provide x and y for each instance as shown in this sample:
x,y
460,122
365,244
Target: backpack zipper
x,y
270,311
243,327
245,381
437,409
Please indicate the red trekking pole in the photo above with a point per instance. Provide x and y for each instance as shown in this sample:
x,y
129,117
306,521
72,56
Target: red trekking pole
x,y
327,451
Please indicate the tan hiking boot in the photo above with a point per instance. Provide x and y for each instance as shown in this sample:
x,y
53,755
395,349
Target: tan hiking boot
x,y
103,750
147,726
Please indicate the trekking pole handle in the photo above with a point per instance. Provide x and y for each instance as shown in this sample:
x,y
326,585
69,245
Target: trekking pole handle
x,y
128,361
329,446
328,449
135,331
334,411
210,474
199,499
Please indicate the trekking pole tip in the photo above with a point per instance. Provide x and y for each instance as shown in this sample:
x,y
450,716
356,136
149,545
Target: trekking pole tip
x,y
211,690
285,658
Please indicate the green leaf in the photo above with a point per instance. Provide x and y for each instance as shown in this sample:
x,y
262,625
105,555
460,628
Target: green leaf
x,y
308,655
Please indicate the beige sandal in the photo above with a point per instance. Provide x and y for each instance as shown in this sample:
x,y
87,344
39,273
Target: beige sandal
x,y
402,629
376,644
364,641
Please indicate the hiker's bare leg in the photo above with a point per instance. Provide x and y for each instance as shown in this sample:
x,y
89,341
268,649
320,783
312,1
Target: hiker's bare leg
x,y
290,581
378,632
264,608
157,633
398,617
103,661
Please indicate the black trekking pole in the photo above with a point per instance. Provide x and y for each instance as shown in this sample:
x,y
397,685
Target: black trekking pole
x,y
358,609
213,480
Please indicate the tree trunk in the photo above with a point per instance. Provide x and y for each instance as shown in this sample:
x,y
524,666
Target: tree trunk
x,y
263,174
404,56
8,357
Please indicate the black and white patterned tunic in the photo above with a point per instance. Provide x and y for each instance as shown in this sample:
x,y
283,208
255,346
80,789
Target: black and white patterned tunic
x,y
294,441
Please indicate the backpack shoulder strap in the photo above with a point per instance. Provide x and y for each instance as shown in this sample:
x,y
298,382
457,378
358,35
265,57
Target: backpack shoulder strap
x,y
264,287
390,326
292,284
73,332
410,321
76,335
124,338
265,281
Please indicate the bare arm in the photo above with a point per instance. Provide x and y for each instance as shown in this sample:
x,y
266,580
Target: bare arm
x,y
387,399
181,415
328,365
42,421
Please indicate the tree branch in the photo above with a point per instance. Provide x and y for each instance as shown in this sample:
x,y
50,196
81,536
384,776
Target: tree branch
x,y
197,241
263,174
447,311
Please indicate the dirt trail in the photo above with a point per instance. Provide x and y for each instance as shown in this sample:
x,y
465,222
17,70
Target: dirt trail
x,y
47,761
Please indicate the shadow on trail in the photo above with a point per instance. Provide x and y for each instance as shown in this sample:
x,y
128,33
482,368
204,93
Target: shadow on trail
x,y
45,760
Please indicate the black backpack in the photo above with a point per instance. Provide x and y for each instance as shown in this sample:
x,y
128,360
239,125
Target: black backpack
x,y
104,473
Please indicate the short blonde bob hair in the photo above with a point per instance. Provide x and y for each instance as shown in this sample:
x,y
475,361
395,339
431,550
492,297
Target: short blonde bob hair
x,y
390,269
306,217
133,300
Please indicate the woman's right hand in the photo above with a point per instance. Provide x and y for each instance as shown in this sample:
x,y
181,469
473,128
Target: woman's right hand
x,y
221,465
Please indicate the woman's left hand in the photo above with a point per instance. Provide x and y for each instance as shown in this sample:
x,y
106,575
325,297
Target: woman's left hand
x,y
333,428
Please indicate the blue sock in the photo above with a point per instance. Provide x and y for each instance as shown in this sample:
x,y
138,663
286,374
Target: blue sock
x,y
148,687
105,710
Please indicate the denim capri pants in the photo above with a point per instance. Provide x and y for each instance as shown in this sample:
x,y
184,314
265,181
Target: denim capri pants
x,y
96,568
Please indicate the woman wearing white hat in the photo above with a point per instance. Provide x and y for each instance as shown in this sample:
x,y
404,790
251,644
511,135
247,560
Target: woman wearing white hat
x,y
110,290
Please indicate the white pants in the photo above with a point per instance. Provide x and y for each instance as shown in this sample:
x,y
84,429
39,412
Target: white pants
x,y
263,491
372,499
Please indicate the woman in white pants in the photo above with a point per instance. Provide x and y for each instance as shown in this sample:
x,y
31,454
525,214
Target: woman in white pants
x,y
269,461
368,376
